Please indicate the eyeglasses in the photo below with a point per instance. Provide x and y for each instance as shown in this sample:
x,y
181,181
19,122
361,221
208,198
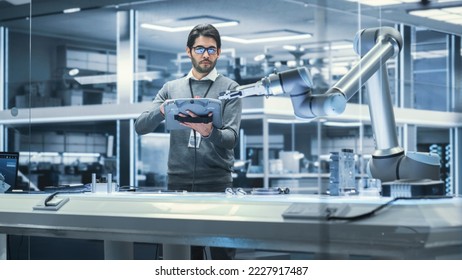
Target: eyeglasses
x,y
201,50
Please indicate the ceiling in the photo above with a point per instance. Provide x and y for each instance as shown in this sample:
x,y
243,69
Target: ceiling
x,y
327,21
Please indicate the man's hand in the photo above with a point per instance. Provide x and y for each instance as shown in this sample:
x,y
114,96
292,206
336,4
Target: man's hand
x,y
204,129
162,110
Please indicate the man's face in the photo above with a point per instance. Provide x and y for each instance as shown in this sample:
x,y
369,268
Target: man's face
x,y
205,62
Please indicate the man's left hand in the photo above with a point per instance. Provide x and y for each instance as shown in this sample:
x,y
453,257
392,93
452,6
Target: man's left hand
x,y
204,129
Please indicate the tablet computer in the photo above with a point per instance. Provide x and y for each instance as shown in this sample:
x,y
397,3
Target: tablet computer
x,y
199,106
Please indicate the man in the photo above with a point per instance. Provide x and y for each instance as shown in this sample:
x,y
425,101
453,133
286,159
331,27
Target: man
x,y
201,158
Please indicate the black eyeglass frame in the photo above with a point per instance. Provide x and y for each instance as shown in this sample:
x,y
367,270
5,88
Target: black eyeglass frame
x,y
202,49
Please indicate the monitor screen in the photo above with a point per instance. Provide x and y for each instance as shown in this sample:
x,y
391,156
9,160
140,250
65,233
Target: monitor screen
x,y
8,170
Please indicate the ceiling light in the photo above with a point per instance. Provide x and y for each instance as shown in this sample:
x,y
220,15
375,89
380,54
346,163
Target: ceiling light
x,y
266,39
339,70
427,13
71,10
379,3
291,63
73,72
349,58
430,54
185,28
342,124
259,57
289,48
112,78
383,2
292,48
393,2
451,15
454,10
289,121
68,154
339,47
18,2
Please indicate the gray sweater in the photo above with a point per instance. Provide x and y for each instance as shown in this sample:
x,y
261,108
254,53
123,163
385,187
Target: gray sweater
x,y
214,158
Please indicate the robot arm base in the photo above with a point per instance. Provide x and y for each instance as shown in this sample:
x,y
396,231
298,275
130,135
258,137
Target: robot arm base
x,y
400,166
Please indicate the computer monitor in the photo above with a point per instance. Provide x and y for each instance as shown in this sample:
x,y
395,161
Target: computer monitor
x,y
8,171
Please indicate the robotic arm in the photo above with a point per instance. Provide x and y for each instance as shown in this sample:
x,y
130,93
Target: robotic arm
x,y
375,46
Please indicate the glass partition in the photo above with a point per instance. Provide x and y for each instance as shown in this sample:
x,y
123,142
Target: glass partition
x,y
52,64
431,70
74,78
72,65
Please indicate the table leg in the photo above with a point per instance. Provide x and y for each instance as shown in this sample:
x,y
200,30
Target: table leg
x,y
3,246
117,250
176,252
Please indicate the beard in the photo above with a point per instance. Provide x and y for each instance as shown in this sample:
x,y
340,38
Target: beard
x,y
203,69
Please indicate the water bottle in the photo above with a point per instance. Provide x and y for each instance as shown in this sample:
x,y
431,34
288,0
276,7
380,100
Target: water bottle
x,y
346,172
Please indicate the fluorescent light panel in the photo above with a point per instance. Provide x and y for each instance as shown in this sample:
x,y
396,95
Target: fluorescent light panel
x,y
342,124
334,47
66,154
430,54
383,2
185,28
289,121
71,10
266,39
18,2
377,3
339,47
259,57
112,78
451,15
290,48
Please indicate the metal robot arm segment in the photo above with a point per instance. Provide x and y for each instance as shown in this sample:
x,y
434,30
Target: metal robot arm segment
x,y
297,83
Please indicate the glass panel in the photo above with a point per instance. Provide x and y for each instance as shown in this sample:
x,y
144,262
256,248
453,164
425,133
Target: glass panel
x,y
430,67
63,154
152,170
250,169
295,160
17,246
57,62
328,54
69,66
